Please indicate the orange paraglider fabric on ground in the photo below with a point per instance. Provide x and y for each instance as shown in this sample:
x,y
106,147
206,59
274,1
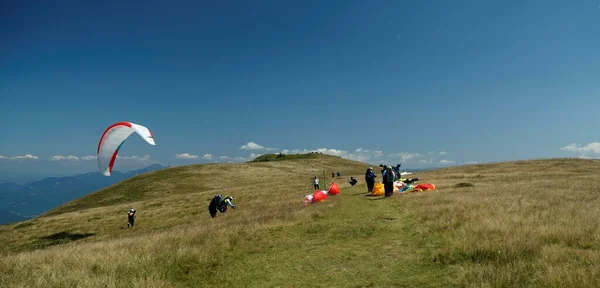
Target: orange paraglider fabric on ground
x,y
378,189
334,189
424,187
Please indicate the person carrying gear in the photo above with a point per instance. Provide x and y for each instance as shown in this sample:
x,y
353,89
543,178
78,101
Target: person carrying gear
x,y
130,217
352,181
220,203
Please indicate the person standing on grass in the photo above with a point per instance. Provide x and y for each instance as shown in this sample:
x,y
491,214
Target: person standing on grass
x,y
370,179
130,217
397,169
316,183
389,176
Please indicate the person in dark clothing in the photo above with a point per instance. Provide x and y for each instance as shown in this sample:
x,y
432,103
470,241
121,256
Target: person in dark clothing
x,y
316,183
219,203
130,217
383,167
397,169
352,181
332,175
370,179
389,176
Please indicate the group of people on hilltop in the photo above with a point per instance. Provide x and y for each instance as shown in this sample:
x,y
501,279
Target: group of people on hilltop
x,y
389,174
219,203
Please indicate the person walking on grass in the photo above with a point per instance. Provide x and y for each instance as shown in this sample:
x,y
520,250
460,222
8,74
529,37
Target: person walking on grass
x,y
316,183
130,217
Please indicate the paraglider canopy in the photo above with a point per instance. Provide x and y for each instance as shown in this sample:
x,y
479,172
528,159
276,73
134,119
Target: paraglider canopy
x,y
308,199
319,196
334,189
113,137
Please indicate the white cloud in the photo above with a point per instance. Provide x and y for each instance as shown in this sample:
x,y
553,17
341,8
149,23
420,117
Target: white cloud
x,y
207,156
405,156
136,158
23,157
374,153
228,159
186,156
252,146
60,158
255,146
88,158
333,152
359,154
593,148
253,156
446,162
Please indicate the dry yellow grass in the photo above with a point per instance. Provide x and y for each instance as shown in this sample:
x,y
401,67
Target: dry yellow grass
x,y
525,223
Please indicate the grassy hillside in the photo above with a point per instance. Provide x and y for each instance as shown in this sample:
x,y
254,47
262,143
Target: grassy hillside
x,y
525,223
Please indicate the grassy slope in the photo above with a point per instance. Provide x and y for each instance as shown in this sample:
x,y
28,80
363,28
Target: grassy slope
x,y
527,223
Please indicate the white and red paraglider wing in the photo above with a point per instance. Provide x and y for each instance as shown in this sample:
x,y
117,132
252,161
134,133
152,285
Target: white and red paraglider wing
x,y
113,137
144,133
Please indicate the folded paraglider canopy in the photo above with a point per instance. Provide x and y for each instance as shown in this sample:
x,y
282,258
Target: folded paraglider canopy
x,y
334,189
378,189
319,196
418,188
308,199
424,187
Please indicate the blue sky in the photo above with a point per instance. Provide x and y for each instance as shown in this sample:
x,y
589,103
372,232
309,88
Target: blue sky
x,y
425,83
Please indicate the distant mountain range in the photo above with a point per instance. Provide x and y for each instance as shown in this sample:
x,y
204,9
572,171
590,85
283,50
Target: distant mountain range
x,y
20,202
